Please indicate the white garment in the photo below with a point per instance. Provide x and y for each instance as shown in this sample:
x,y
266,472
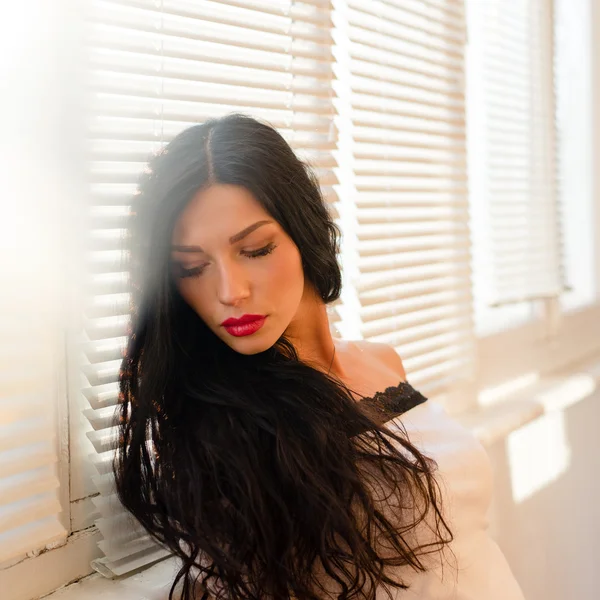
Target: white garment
x,y
480,570
477,569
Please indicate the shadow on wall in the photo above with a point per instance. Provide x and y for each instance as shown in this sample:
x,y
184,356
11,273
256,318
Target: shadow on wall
x,y
546,510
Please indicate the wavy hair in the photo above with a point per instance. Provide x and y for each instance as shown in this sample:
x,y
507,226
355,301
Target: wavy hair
x,y
259,472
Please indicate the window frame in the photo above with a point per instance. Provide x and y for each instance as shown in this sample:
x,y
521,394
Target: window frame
x,y
554,338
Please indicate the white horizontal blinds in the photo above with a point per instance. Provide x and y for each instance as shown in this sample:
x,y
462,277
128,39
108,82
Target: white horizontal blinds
x,y
517,116
408,118
157,67
30,507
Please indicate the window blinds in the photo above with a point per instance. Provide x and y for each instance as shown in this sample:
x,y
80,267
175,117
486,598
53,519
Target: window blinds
x,y
29,476
513,158
34,508
408,122
157,67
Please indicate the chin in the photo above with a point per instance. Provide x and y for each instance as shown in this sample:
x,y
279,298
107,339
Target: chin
x,y
251,344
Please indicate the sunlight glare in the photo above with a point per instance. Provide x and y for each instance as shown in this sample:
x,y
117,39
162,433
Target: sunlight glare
x,y
538,454
494,394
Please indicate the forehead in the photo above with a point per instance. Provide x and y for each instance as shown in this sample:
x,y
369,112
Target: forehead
x,y
216,212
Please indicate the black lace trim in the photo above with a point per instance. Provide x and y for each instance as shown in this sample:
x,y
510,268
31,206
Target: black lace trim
x,y
393,401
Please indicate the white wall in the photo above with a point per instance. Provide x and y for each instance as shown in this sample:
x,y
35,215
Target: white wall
x,y
551,533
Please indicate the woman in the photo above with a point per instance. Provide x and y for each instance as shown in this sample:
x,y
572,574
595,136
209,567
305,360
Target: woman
x,y
277,467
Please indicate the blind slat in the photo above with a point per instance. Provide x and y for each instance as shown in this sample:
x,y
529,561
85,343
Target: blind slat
x,y
18,541
376,265
196,91
116,128
370,216
30,506
28,511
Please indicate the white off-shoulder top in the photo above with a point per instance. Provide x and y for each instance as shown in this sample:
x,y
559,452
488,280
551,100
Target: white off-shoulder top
x,y
477,569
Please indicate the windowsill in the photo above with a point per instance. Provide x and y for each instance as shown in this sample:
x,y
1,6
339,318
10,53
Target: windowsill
x,y
152,583
489,424
494,422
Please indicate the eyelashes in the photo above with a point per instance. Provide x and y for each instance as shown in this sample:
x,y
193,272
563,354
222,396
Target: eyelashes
x,y
183,272
197,271
261,251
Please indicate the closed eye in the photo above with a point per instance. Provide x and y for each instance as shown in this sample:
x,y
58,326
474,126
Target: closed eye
x,y
183,272
261,251
193,272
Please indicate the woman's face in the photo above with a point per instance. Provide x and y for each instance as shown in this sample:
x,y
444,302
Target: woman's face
x,y
230,258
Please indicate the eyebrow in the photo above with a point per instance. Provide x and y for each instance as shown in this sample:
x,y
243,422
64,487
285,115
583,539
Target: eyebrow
x,y
232,240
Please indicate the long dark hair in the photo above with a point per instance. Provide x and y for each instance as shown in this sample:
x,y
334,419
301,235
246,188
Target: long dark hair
x,y
261,471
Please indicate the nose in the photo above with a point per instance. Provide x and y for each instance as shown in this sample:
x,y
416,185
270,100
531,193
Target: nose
x,y
233,284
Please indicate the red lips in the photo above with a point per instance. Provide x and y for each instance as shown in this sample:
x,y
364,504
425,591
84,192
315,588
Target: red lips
x,y
242,320
245,325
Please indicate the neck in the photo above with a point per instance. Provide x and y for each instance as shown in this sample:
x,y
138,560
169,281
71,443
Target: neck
x,y
311,335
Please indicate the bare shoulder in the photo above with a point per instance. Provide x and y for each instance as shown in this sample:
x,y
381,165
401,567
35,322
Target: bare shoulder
x,y
385,355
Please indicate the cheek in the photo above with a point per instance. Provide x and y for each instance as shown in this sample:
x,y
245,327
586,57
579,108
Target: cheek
x,y
190,292
286,271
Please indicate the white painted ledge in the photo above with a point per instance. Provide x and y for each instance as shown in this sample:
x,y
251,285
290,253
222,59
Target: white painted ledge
x,y
489,424
152,583
494,422
33,577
